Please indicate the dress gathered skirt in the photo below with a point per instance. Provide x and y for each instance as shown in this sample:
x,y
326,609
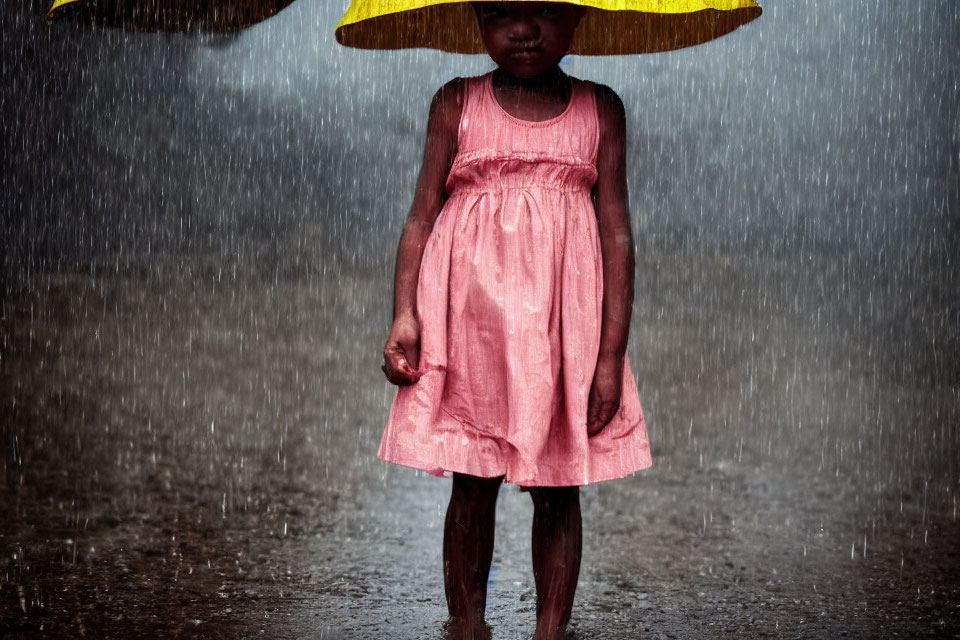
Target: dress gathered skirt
x,y
509,302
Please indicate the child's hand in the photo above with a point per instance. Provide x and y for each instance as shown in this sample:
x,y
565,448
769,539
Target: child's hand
x,y
604,394
401,354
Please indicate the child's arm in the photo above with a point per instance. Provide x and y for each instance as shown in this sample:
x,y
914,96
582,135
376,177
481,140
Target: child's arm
x,y
401,354
616,244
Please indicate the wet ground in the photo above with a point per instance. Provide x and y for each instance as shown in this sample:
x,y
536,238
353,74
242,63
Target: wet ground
x,y
189,450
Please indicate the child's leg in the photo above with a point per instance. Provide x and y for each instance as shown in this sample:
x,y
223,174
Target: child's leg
x,y
557,540
468,545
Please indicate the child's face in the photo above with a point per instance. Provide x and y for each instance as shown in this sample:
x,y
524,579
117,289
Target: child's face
x,y
527,38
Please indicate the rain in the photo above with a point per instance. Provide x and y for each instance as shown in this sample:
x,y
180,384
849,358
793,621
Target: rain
x,y
198,235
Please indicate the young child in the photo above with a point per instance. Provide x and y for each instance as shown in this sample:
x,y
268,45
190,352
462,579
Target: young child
x,y
514,282
513,295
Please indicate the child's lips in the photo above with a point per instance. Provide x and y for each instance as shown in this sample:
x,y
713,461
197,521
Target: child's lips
x,y
525,54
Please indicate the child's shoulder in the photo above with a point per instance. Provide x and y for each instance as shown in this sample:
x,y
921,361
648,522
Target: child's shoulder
x,y
609,104
610,110
607,97
447,104
451,92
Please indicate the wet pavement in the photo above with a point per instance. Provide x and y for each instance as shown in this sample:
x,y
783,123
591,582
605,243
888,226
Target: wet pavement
x,y
189,451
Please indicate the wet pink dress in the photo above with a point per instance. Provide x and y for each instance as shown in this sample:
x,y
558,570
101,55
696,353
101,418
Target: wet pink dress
x,y
509,302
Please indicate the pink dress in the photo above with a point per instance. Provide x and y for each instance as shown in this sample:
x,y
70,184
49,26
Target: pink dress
x,y
509,302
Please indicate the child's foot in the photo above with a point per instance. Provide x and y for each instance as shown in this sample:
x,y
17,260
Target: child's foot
x,y
466,629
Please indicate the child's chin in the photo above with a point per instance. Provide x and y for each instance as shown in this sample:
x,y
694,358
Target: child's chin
x,y
526,71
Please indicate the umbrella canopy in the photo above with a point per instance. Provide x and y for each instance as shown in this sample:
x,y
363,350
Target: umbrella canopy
x,y
609,27
169,15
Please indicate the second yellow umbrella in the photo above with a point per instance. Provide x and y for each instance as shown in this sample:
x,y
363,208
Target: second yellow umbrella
x,y
169,15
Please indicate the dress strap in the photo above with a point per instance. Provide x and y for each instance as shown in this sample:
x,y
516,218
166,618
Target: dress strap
x,y
472,96
587,106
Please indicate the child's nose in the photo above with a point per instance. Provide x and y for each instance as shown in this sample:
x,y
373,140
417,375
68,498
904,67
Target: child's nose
x,y
525,29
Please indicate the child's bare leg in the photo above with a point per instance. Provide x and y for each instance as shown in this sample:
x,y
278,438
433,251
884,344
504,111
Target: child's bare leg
x,y
557,543
468,546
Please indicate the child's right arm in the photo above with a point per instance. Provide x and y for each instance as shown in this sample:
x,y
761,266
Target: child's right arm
x,y
401,354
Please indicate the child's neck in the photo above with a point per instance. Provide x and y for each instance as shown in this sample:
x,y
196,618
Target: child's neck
x,y
537,98
551,81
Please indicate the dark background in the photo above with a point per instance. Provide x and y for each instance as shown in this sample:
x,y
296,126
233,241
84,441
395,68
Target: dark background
x,y
197,250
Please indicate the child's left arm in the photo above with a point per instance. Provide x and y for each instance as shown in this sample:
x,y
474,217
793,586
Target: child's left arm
x,y
616,245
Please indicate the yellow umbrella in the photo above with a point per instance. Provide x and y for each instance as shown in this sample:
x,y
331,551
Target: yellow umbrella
x,y
609,27
169,15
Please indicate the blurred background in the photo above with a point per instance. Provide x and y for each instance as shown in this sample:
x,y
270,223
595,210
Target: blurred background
x,y
198,233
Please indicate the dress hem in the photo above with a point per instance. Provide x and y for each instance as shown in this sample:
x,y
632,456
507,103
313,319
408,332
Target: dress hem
x,y
442,472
